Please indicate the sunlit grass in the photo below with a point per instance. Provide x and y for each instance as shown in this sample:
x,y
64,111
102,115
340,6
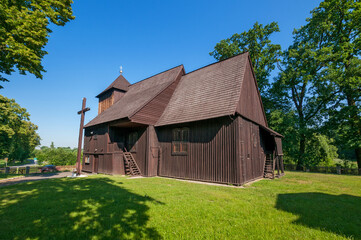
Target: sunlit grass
x,y
297,206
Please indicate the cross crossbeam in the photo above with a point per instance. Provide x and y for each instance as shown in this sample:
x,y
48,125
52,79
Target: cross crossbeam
x,y
84,110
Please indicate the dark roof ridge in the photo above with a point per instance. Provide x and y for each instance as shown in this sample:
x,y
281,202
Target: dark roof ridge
x,y
107,90
216,62
156,74
115,85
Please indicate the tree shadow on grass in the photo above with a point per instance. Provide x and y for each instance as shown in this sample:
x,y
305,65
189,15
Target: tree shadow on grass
x,y
340,214
85,208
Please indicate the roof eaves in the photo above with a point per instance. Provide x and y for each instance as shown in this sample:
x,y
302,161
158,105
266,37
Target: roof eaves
x,y
189,121
106,91
109,122
262,126
272,131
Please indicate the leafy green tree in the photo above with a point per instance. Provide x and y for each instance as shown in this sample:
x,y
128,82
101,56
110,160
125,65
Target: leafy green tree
x,y
24,32
302,84
332,43
59,156
264,54
285,122
18,136
320,151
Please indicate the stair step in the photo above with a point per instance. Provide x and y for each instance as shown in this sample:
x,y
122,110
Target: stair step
x,y
130,165
268,168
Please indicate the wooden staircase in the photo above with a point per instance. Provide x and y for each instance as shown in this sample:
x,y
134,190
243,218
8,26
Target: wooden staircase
x,y
269,167
131,167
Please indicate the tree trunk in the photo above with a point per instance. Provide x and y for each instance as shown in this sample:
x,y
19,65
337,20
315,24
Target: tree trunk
x,y
301,156
351,102
358,158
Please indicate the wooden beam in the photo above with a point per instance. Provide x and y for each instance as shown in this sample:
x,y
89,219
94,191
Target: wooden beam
x,y
82,112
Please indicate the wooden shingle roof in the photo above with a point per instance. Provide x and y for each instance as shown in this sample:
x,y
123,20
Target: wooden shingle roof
x,y
209,92
120,83
223,88
137,96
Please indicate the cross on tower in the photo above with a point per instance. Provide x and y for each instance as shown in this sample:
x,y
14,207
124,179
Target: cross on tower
x,y
82,112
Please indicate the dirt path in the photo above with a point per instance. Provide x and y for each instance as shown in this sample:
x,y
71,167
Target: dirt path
x,y
7,182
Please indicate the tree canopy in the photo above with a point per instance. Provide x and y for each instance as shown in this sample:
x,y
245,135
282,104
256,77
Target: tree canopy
x,y
24,31
59,156
18,136
329,48
315,101
264,54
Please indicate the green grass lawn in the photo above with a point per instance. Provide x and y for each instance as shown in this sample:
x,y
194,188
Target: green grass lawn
x,y
297,206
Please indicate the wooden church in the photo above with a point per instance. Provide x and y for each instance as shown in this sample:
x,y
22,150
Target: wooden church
x,y
207,125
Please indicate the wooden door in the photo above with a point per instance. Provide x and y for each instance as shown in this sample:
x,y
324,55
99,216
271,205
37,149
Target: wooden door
x,y
118,164
153,163
101,168
248,150
95,163
243,146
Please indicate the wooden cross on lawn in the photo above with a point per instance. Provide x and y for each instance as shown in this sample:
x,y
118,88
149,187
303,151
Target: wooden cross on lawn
x,y
82,112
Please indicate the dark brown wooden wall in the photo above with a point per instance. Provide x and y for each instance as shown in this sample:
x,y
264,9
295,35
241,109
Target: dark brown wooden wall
x,y
118,163
87,139
140,150
251,149
250,104
105,101
105,164
96,142
108,99
88,167
212,154
279,149
96,146
225,150
152,151
154,109
108,148
117,94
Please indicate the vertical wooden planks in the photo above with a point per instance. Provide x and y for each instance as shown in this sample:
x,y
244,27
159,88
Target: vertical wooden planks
x,y
250,103
211,151
251,155
152,152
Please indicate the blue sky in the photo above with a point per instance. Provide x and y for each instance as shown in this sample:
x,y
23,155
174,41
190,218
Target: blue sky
x,y
145,37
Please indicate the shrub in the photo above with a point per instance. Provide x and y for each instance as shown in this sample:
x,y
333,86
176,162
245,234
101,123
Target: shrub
x,y
59,156
320,151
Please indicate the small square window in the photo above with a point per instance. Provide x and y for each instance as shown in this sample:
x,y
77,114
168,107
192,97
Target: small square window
x,y
180,141
86,160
